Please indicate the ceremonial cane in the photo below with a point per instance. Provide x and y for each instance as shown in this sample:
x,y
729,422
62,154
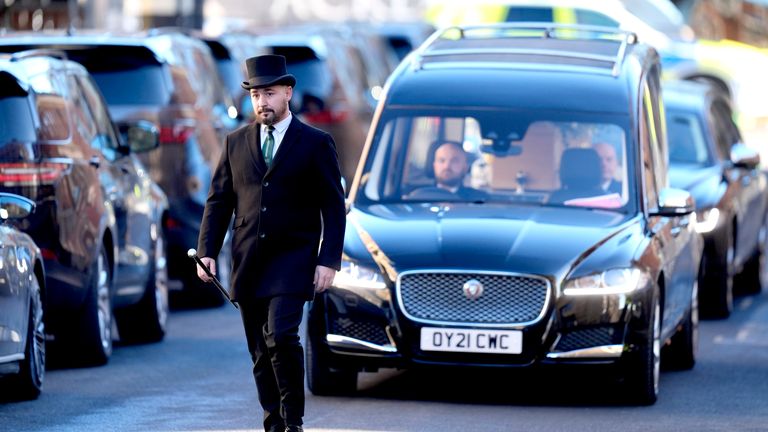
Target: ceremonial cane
x,y
193,254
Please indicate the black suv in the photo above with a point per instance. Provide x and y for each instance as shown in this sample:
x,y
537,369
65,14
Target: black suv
x,y
170,80
98,217
489,226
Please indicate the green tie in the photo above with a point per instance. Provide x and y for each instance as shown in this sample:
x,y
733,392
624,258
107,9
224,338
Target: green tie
x,y
269,145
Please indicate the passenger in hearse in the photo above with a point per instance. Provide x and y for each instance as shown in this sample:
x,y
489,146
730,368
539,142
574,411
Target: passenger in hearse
x,y
610,165
448,164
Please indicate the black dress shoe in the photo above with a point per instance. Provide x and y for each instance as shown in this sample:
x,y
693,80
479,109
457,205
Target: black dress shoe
x,y
294,429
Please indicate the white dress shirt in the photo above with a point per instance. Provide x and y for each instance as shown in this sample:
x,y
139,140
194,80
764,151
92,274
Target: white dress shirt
x,y
278,133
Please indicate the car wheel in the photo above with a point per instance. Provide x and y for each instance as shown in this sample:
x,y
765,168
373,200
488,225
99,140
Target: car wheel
x,y
29,382
322,380
146,321
641,376
718,298
682,351
755,271
95,333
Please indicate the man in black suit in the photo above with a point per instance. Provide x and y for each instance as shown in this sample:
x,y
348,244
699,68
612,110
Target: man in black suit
x,y
281,179
450,164
610,164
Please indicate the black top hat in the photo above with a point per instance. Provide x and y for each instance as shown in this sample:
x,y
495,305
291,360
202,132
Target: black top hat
x,y
267,70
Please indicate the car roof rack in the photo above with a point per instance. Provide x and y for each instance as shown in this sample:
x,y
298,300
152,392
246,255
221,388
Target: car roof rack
x,y
528,31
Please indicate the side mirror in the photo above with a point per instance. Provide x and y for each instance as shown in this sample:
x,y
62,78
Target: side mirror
x,y
744,157
675,202
14,206
141,135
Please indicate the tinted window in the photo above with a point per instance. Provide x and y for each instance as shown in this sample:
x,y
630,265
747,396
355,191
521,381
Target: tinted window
x,y
140,86
107,140
18,123
126,75
687,143
486,154
54,117
312,75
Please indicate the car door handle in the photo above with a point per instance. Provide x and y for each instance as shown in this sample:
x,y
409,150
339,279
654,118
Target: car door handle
x,y
94,161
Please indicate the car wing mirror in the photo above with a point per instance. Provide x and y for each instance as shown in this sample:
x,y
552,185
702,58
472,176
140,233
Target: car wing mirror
x,y
140,136
675,202
744,157
14,206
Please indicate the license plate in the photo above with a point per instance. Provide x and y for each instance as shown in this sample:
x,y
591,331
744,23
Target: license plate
x,y
471,340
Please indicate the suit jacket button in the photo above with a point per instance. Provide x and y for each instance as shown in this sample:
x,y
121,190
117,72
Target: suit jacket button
x,y
262,235
263,209
266,184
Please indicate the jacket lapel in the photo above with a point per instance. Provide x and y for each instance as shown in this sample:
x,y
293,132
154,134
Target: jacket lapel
x,y
291,136
254,147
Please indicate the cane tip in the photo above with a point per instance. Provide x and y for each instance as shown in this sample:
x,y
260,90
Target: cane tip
x,y
191,253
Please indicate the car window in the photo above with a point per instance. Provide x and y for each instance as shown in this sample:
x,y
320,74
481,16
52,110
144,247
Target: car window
x,y
687,142
313,78
499,156
84,122
18,124
54,117
126,75
647,141
107,139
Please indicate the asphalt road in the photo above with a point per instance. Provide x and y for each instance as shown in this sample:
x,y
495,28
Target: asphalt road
x,y
199,379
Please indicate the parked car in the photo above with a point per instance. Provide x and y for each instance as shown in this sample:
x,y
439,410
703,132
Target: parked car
x,y
523,259
230,50
708,158
404,37
99,217
22,288
331,86
170,80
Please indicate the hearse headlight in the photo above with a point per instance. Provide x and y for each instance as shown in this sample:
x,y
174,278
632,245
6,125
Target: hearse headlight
x,y
353,275
613,281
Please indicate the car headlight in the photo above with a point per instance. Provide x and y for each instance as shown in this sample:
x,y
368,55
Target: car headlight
x,y
353,275
707,220
613,281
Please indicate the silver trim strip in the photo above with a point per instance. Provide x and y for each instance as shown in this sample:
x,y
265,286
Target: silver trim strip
x,y
339,341
12,357
603,351
517,51
517,326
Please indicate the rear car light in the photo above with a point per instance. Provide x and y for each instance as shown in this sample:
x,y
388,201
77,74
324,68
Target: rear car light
x,y
31,174
177,133
326,116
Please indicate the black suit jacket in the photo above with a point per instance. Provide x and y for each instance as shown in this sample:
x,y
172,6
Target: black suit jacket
x,y
276,241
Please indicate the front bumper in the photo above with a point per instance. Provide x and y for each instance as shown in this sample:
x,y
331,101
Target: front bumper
x,y
366,330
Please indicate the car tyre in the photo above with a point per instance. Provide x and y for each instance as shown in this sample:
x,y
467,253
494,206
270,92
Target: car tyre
x,y
323,380
755,272
718,290
146,321
682,351
643,368
28,383
95,333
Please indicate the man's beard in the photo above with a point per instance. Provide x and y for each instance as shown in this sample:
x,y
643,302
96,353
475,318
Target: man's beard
x,y
450,181
268,117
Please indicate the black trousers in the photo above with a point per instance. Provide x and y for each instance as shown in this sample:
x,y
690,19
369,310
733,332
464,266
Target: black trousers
x,y
272,331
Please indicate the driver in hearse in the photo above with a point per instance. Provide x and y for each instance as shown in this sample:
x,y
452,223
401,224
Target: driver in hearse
x,y
449,165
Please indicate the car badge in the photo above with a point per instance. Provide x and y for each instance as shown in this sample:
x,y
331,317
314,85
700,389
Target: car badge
x,y
473,289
